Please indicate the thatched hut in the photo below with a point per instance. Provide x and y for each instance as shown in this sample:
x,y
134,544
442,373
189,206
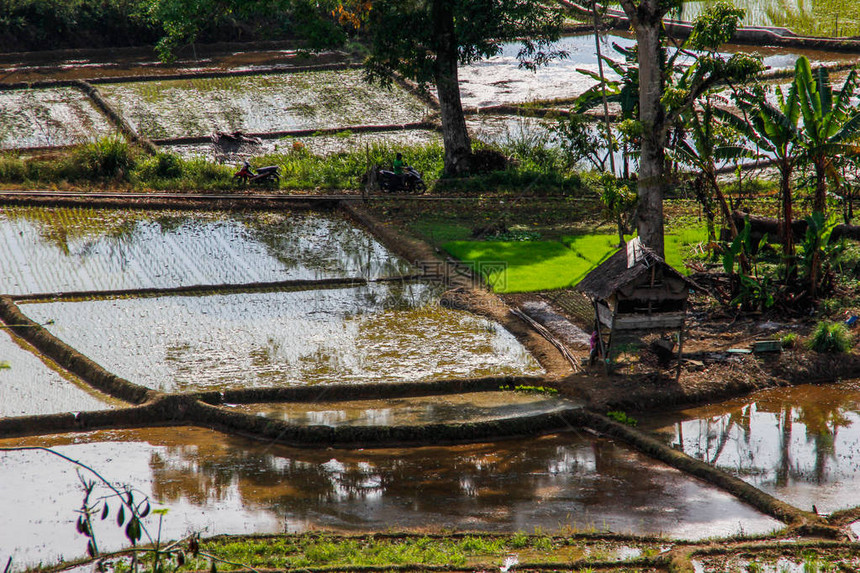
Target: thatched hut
x,y
636,294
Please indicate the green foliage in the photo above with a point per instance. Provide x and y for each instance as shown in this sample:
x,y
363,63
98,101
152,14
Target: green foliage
x,y
789,340
817,251
619,199
53,24
831,123
108,158
408,37
831,337
580,141
4,365
531,389
715,26
180,23
752,290
621,418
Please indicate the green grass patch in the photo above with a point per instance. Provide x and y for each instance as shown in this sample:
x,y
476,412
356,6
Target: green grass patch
x,y
333,551
548,265
679,246
531,265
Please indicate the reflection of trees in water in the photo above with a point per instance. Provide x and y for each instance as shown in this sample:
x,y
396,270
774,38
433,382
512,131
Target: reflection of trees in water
x,y
326,244
820,411
410,485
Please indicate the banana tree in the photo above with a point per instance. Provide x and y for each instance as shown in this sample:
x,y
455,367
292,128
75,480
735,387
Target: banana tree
x,y
701,148
831,124
773,129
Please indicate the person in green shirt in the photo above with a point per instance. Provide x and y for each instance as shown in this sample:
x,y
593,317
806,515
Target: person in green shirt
x,y
398,164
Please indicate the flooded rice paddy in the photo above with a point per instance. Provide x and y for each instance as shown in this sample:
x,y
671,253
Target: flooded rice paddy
x,y
800,444
500,80
62,250
190,107
215,483
444,409
265,103
374,333
48,117
30,386
833,18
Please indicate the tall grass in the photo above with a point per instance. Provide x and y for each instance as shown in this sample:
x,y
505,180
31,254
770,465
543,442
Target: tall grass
x,y
107,158
534,170
832,337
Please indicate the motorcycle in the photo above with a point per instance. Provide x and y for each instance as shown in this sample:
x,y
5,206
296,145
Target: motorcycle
x,y
247,173
410,181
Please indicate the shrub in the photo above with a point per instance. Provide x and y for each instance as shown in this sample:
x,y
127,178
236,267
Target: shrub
x,y
831,337
789,340
107,158
12,169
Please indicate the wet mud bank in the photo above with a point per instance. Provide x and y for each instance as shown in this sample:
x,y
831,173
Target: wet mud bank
x,y
69,358
662,391
350,392
288,285
269,429
162,411
246,200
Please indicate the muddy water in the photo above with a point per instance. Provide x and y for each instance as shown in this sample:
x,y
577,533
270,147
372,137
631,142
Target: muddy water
x,y
255,104
48,117
450,409
221,484
51,250
801,444
29,386
382,332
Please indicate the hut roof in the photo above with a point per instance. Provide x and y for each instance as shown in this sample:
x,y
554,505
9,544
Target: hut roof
x,y
622,268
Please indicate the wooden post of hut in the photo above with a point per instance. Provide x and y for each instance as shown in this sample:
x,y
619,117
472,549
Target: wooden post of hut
x,y
635,294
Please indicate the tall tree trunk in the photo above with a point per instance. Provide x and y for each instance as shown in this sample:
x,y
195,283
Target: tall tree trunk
x,y
653,117
455,137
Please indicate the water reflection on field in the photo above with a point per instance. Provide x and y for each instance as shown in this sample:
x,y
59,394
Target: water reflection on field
x,y
48,117
220,484
29,386
500,80
375,333
255,104
51,250
444,409
800,444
